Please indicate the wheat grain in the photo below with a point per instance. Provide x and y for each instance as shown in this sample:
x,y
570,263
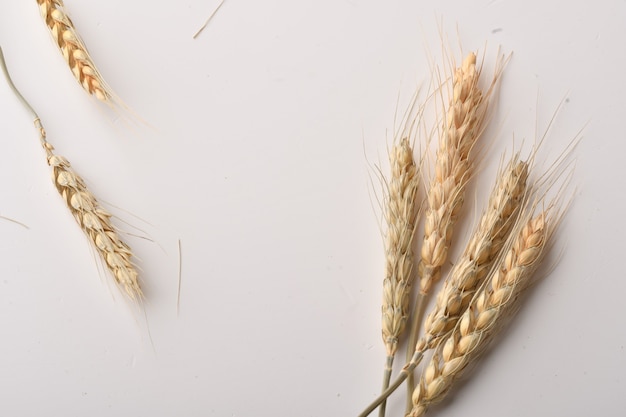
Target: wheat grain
x,y
479,323
74,50
483,248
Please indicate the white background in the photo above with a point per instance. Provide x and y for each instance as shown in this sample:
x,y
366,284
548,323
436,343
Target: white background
x,y
257,159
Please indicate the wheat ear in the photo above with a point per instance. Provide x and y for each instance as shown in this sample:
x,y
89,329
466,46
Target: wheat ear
x,y
485,245
480,322
401,214
463,126
91,217
93,220
74,50
468,274
452,170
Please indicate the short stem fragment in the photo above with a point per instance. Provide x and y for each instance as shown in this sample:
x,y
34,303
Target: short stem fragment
x,y
386,379
418,313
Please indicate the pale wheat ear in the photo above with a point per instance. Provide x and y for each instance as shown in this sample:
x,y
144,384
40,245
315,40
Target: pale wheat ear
x,y
400,206
464,124
407,128
78,58
491,306
491,233
92,218
401,212
498,298
487,240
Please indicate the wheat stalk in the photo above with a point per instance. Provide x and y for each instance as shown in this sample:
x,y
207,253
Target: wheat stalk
x,y
74,50
401,212
480,322
94,220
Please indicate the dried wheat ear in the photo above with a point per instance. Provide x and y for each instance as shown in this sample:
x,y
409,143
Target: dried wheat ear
x,y
478,317
401,218
74,50
92,218
401,214
483,248
463,125
484,316
484,287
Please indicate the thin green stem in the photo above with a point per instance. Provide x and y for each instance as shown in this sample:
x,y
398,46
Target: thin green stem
x,y
42,132
15,90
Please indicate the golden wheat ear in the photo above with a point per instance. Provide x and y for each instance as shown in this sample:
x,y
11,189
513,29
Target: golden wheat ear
x,y
494,302
92,218
465,120
401,212
483,248
77,56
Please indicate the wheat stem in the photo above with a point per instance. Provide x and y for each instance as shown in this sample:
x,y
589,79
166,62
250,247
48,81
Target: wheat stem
x,y
386,378
402,376
418,312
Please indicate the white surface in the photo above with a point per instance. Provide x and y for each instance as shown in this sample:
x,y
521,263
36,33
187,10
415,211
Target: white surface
x,y
256,163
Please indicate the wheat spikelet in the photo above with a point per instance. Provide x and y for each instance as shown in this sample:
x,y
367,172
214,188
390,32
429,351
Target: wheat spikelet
x,y
74,50
462,128
479,322
483,248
